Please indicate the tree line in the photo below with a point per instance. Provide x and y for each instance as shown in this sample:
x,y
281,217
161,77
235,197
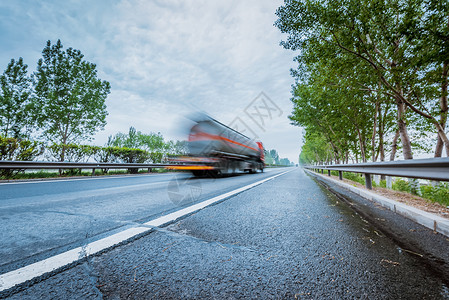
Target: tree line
x,y
372,77
272,158
61,102
51,111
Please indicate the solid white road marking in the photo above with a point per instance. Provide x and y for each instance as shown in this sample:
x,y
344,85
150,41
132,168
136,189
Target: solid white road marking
x,y
24,274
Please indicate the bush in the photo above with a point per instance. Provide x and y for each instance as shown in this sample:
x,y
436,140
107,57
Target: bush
x,y
132,155
439,193
401,185
73,152
354,177
107,154
12,149
21,150
156,157
121,154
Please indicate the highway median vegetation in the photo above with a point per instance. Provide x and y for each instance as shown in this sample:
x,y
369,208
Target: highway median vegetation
x,y
25,150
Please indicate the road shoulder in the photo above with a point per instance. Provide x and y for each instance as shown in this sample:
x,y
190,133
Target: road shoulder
x,y
399,221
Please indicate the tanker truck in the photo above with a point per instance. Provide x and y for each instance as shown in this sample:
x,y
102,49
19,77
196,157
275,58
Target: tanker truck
x,y
216,149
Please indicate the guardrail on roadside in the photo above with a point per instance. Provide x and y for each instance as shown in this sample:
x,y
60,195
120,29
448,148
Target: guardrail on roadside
x,y
29,165
431,168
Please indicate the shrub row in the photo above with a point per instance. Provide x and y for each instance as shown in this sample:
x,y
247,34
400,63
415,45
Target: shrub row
x,y
435,193
24,150
13,149
83,153
438,193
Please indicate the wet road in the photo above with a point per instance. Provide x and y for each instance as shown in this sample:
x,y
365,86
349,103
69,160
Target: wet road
x,y
41,219
286,238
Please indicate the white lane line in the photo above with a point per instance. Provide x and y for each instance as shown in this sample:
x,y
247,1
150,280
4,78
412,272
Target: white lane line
x,y
81,179
51,264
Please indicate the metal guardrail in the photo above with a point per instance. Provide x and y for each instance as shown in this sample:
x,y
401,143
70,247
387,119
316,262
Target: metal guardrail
x,y
29,165
431,168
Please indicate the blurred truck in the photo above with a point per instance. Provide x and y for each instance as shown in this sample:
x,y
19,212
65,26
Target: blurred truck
x,y
216,149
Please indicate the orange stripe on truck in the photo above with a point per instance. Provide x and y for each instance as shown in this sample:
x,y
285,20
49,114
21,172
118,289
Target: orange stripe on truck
x,y
206,136
191,168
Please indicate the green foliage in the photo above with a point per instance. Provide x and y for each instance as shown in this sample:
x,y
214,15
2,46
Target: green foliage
x,y
17,110
272,158
107,154
284,162
361,64
132,155
439,193
315,149
73,152
401,185
156,157
82,153
137,139
354,177
20,150
153,143
70,96
176,147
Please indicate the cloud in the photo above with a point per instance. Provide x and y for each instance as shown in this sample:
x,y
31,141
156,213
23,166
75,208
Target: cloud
x,y
163,58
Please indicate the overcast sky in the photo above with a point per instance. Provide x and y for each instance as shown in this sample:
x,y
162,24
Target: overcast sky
x,y
167,58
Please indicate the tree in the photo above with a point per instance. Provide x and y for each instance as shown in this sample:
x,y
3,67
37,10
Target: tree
x,y
378,35
284,162
136,139
315,149
70,96
123,140
16,108
430,34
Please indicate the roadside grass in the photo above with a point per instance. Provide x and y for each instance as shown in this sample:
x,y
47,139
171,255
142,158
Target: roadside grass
x,y
439,193
434,193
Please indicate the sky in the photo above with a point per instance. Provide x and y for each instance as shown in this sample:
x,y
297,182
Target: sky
x,y
165,59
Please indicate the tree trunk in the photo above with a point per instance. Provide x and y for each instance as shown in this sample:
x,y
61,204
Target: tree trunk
x,y
381,146
402,127
373,137
439,147
361,143
443,111
394,147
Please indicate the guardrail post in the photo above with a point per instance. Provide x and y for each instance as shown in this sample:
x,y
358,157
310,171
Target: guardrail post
x,y
389,182
149,170
340,175
368,183
322,171
93,171
377,179
329,172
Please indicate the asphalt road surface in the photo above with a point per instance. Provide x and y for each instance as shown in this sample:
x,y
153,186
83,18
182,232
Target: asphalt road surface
x,y
286,238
